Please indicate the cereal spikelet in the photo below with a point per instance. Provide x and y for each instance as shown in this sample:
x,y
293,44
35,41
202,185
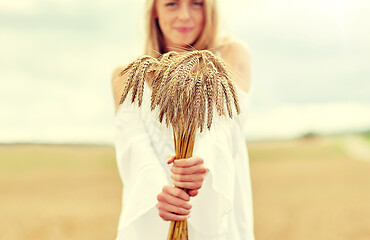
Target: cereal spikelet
x,y
234,95
186,87
228,96
141,82
129,81
220,98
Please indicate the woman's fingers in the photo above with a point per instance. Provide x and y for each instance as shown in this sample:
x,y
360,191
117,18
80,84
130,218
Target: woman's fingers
x,y
185,162
176,197
168,216
188,173
193,193
188,185
187,166
188,178
170,158
173,204
167,207
188,162
175,192
190,181
197,169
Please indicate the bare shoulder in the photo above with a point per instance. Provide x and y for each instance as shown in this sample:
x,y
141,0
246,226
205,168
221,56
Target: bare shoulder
x,y
118,81
236,55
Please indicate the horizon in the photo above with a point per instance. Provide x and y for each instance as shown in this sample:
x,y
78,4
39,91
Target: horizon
x,y
308,135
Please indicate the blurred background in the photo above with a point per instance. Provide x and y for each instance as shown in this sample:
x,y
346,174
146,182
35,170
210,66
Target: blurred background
x,y
308,127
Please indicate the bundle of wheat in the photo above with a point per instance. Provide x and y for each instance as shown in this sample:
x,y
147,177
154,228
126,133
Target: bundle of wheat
x,y
186,87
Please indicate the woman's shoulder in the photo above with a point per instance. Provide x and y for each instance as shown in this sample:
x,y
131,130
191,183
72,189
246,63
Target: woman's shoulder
x,y
230,46
118,80
116,75
236,54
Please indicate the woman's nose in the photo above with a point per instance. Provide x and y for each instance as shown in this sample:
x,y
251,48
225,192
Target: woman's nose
x,y
184,13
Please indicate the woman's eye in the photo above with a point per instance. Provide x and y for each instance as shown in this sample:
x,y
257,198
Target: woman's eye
x,y
198,3
171,4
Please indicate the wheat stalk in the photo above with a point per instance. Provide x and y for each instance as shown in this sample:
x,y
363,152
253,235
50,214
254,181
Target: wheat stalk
x,y
186,88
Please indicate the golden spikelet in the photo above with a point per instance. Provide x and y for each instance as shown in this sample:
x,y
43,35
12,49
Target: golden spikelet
x,y
197,98
182,58
234,95
141,82
164,62
127,68
162,114
210,86
190,66
202,108
210,99
139,79
220,98
218,63
227,93
132,76
135,81
161,87
128,82
175,82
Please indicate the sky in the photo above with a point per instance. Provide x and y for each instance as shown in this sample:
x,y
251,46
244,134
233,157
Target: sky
x,y
310,66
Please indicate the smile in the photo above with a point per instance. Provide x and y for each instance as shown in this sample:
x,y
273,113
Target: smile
x,y
184,29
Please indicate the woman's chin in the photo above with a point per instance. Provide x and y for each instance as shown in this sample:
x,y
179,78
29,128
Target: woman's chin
x,y
180,47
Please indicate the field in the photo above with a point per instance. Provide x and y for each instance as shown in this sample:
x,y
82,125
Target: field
x,y
315,188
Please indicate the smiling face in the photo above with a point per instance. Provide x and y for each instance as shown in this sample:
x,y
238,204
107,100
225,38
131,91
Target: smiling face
x,y
181,21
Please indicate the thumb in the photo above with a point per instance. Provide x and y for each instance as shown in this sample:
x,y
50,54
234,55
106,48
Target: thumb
x,y
170,158
192,193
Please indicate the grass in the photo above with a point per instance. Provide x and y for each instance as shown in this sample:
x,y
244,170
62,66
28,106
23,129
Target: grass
x,y
366,135
309,189
302,189
58,192
315,149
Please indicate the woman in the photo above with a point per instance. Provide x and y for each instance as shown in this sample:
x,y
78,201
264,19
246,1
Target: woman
x,y
217,176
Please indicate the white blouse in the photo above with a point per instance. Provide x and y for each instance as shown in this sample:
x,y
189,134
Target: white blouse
x,y
223,209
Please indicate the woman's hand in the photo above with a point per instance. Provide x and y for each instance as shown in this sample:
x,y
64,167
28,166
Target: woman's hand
x,y
173,204
188,173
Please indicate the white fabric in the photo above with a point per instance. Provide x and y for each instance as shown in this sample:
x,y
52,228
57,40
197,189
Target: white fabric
x,y
223,210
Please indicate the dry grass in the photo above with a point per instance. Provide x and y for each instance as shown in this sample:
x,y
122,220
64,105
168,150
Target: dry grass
x,y
302,190
309,189
58,192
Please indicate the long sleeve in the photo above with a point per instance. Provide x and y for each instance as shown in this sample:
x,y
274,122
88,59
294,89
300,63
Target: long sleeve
x,y
223,208
216,196
142,175
226,195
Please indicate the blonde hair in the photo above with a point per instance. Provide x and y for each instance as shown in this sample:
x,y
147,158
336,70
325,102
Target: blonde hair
x,y
155,45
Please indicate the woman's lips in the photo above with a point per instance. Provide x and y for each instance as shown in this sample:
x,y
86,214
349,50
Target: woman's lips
x,y
184,29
